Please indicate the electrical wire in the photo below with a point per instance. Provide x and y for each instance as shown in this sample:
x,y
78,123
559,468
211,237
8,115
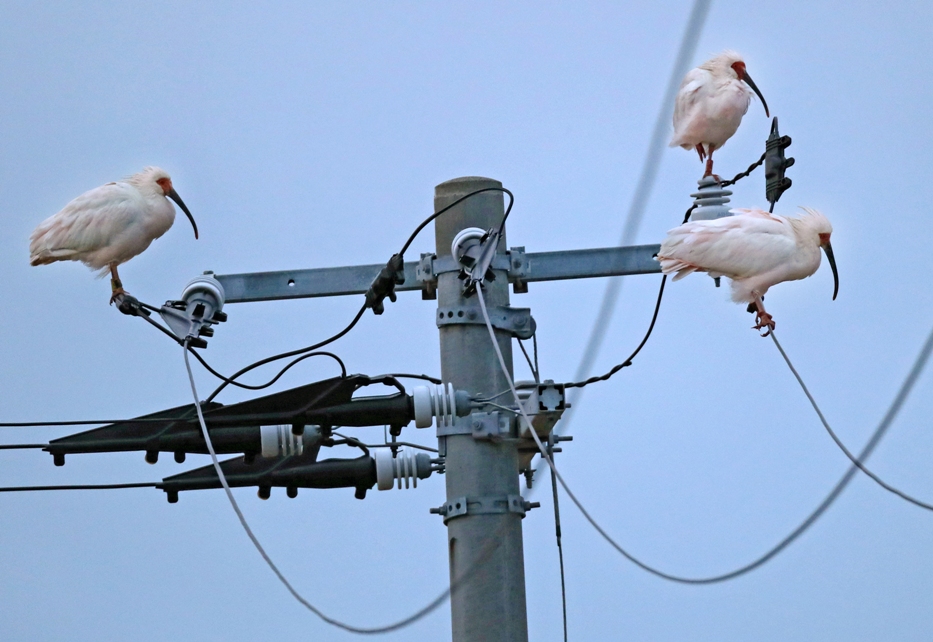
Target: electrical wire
x,y
21,446
18,489
531,366
286,355
886,421
343,369
433,216
627,362
646,180
265,556
855,461
82,422
423,377
560,551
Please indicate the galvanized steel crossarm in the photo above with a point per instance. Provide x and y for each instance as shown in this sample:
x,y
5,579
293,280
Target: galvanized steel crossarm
x,y
356,279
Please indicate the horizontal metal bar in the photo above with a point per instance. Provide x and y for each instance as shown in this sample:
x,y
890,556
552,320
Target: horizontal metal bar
x,y
587,264
356,279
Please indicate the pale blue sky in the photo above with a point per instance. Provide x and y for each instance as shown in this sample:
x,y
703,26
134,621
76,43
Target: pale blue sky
x,y
306,135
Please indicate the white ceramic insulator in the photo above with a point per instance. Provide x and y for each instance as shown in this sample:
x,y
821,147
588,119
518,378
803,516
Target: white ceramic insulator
x,y
280,441
403,468
434,401
462,239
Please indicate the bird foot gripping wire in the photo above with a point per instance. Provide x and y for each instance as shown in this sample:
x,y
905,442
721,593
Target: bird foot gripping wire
x,y
117,291
384,284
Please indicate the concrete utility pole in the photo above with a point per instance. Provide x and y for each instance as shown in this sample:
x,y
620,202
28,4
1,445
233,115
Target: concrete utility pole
x,y
484,542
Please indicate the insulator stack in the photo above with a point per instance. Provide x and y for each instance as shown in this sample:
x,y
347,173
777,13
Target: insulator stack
x,y
405,467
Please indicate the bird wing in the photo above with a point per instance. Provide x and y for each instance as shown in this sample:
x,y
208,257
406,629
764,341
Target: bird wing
x,y
751,242
87,223
687,97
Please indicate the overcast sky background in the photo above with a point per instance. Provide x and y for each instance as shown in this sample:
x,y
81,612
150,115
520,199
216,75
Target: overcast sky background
x,y
305,135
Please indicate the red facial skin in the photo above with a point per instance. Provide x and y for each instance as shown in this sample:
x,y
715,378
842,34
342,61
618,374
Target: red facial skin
x,y
739,68
824,239
165,184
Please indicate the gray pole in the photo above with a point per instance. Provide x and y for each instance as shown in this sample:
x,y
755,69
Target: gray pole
x,y
488,600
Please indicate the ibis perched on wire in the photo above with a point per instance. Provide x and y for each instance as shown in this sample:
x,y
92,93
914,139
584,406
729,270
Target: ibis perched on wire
x,y
110,224
754,249
710,104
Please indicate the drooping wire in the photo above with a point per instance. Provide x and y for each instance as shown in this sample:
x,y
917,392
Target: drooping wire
x,y
886,421
627,362
643,188
285,355
265,556
855,461
433,216
560,552
343,369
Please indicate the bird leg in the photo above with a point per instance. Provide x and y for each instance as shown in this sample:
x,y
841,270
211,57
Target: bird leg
x,y
762,318
709,167
116,286
701,151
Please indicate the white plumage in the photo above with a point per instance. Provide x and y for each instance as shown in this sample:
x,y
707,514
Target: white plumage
x,y
754,249
710,104
110,224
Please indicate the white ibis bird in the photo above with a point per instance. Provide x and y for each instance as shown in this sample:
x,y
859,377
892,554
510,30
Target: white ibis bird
x,y
110,224
710,104
754,249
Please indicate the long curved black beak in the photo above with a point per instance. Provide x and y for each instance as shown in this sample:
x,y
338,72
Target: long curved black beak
x,y
751,83
832,263
175,197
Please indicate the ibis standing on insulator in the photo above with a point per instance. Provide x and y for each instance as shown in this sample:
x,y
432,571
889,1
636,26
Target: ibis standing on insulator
x,y
110,224
754,249
710,105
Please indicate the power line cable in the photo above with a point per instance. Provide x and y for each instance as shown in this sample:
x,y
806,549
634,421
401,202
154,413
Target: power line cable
x,y
286,355
886,421
19,489
329,620
627,362
855,461
643,187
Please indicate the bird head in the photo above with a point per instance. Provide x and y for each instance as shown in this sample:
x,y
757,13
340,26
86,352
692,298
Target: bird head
x,y
732,60
824,229
739,68
164,181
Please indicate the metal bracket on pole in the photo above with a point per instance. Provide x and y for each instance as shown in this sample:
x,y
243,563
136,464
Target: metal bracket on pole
x,y
482,425
427,277
485,505
516,321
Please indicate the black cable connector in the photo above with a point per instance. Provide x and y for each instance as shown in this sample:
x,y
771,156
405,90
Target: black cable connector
x,y
384,284
776,164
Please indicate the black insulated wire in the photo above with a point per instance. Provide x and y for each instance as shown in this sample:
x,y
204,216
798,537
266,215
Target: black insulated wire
x,y
433,216
21,489
286,355
627,362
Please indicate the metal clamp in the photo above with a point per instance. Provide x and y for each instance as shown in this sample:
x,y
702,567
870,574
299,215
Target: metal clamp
x,y
425,275
482,425
484,505
518,269
516,321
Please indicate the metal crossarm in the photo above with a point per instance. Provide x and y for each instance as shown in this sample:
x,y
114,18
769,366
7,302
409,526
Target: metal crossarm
x,y
521,267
